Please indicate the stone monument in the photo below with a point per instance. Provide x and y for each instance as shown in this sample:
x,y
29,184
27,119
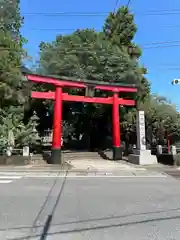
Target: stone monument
x,y
141,155
26,151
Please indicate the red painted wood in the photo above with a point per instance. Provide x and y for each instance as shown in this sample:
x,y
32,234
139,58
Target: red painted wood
x,y
54,81
64,83
74,98
58,96
43,95
39,79
115,121
57,121
116,89
126,102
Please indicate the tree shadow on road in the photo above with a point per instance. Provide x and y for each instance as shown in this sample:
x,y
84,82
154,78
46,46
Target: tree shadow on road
x,y
94,228
78,230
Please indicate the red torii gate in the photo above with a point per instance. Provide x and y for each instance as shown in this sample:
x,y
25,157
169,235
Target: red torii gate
x,y
58,96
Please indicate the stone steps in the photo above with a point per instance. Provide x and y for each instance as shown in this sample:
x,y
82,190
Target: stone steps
x,y
86,155
70,156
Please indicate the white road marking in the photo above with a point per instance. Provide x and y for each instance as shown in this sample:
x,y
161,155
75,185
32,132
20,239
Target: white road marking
x,y
12,177
5,181
7,177
95,176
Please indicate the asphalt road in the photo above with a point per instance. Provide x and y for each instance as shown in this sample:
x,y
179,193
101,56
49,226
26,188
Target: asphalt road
x,y
90,208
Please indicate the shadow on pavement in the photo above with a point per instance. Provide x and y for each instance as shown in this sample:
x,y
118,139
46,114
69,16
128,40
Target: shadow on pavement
x,y
49,220
50,217
103,227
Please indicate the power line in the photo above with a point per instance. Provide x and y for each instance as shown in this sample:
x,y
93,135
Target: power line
x,y
164,10
74,29
172,25
67,14
159,44
116,4
149,68
162,46
85,47
128,3
54,29
99,14
88,50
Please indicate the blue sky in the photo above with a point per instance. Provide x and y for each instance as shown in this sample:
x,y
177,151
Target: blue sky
x,y
151,28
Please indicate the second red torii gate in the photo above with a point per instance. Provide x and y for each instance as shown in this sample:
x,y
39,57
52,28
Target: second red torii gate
x,y
58,96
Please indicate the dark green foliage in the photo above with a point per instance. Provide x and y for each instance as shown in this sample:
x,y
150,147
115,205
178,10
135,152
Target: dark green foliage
x,y
120,30
10,19
104,56
14,92
12,120
87,55
110,56
11,84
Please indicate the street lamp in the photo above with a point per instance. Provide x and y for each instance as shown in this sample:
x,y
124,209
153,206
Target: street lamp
x,y
175,81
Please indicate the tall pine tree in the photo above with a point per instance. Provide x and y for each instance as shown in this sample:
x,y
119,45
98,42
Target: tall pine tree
x,y
11,54
120,30
13,92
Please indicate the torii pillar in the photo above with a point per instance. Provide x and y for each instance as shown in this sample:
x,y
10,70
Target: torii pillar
x,y
117,150
57,128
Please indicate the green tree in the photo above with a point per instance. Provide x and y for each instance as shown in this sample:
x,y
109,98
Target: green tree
x,y
86,54
13,91
12,120
11,53
120,30
11,83
162,120
109,56
10,18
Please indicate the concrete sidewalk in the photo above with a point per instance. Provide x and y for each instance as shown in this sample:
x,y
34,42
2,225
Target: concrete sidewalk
x,y
91,168
48,172
80,165
10,176
103,165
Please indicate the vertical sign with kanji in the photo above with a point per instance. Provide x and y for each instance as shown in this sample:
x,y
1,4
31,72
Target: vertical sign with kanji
x,y
141,134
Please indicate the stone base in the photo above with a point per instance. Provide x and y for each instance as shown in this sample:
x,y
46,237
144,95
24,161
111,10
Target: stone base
x,y
117,153
55,157
14,160
142,157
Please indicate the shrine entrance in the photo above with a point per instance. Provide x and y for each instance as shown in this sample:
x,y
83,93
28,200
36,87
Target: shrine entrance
x,y
90,91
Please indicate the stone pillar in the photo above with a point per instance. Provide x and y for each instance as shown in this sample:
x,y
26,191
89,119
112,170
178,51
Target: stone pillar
x,y
173,150
140,128
159,149
141,155
26,151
